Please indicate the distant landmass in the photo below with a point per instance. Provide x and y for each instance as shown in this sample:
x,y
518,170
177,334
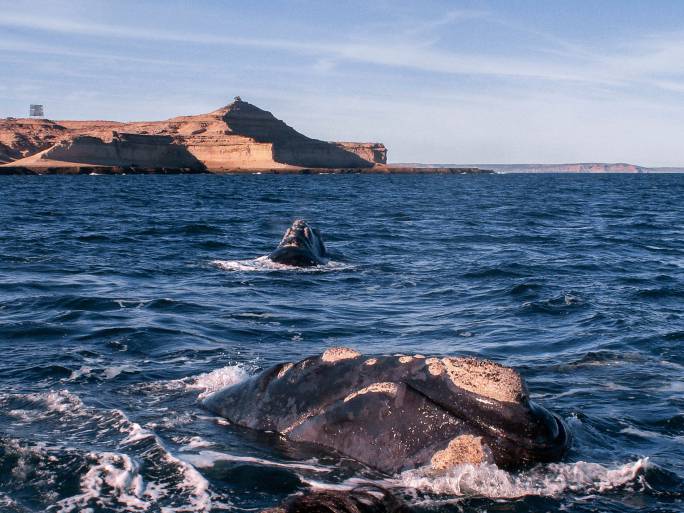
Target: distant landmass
x,y
239,137
583,167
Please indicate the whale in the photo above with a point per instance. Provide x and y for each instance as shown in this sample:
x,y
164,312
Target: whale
x,y
301,246
361,499
399,412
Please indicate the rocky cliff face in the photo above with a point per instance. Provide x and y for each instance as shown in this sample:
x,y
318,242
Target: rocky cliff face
x,y
117,150
238,136
21,138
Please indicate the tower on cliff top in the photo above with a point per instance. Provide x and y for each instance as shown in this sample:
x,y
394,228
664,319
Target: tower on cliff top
x,y
36,111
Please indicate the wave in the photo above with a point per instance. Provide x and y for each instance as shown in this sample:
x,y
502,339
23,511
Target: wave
x,y
200,229
559,305
89,373
263,263
494,272
546,480
110,460
525,288
491,482
213,381
603,358
660,293
203,384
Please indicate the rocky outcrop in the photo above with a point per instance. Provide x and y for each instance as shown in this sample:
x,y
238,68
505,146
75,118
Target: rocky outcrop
x,y
21,138
373,152
118,150
238,136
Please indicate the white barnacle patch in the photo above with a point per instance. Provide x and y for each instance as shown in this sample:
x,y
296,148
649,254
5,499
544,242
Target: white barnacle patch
x,y
378,388
284,370
335,354
405,359
371,361
485,378
435,366
462,449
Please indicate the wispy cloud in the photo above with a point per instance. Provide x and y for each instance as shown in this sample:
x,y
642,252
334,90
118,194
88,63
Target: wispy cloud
x,y
416,54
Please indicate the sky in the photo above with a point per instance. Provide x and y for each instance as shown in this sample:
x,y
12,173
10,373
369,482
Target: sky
x,y
510,81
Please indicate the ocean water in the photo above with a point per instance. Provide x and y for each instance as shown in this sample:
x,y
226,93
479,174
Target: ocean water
x,y
126,299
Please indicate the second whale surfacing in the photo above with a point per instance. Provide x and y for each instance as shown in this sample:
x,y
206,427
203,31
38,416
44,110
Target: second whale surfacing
x,y
399,412
301,246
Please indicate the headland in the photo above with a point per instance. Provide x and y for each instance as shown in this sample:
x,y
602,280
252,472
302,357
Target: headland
x,y
237,138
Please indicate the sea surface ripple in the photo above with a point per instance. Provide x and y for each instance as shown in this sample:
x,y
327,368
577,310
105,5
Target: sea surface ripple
x,y
125,299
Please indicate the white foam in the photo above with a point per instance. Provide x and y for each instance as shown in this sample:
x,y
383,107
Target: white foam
x,y
26,456
112,477
263,263
134,303
205,384
264,315
215,380
487,480
118,473
59,401
567,393
200,498
551,480
136,433
193,483
195,442
672,386
207,459
104,373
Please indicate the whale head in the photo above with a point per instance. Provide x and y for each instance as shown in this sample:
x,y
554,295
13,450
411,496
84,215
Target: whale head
x,y
400,412
301,246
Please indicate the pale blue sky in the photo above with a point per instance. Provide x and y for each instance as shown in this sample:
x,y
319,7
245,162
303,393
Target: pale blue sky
x,y
436,81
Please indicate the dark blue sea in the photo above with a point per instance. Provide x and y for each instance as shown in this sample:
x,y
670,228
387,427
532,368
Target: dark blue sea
x,y
126,299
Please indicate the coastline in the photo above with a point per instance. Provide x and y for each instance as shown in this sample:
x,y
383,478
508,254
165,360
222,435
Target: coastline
x,y
130,170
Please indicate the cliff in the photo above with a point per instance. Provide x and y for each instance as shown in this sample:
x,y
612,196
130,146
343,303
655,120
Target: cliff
x,y
20,138
119,150
236,137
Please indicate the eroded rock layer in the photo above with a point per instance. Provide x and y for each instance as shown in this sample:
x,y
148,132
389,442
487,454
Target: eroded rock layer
x,y
238,136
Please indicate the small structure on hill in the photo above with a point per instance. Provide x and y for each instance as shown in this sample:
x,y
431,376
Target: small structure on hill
x,y
36,111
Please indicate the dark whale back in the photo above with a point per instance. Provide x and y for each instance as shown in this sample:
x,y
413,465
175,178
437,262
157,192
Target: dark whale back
x,y
301,246
399,412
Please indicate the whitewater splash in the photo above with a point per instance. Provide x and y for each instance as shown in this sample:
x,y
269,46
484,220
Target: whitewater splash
x,y
116,462
550,480
263,263
218,379
203,384
491,482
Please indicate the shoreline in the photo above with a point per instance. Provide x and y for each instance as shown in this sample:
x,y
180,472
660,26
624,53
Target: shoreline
x,y
131,170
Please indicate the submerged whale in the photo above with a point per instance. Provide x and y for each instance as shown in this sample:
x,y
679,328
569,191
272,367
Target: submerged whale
x,y
398,412
301,246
